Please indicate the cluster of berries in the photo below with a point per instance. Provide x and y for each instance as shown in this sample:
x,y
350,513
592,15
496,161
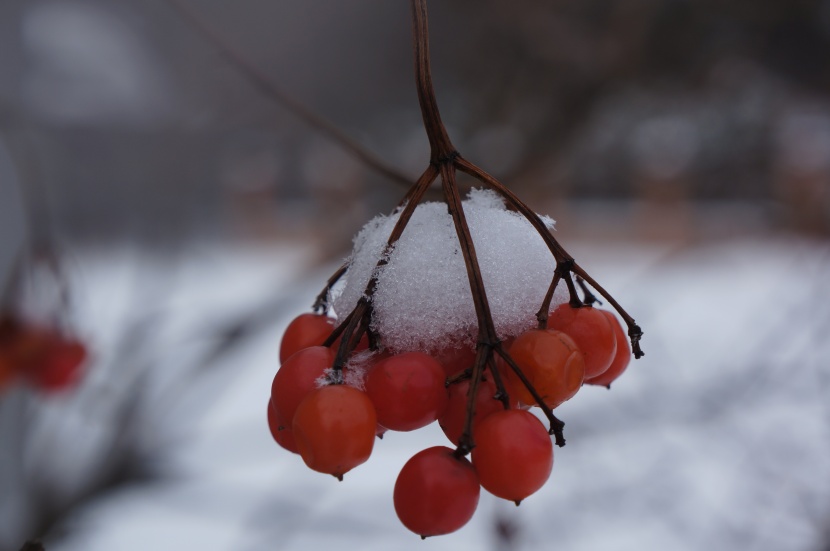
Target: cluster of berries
x,y
43,357
331,416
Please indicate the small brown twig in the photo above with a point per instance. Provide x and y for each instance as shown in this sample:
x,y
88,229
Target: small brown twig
x,y
556,425
266,86
501,391
588,298
321,303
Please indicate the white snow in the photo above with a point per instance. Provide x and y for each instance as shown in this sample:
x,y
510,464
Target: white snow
x,y
716,439
423,299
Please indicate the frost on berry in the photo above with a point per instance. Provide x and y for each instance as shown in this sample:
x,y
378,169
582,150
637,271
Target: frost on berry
x,y
354,371
423,299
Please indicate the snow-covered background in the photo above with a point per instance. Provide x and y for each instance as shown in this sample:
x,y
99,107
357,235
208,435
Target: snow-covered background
x,y
717,439
681,147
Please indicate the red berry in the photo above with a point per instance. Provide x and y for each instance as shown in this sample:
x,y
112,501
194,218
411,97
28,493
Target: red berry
x,y
283,435
51,361
334,429
513,454
297,377
304,331
550,361
408,390
436,492
592,333
455,414
621,358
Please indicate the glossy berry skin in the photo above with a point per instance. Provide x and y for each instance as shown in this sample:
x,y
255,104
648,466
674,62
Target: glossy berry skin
x,y
454,416
436,493
408,390
513,454
305,330
551,362
283,435
592,333
297,377
334,428
622,357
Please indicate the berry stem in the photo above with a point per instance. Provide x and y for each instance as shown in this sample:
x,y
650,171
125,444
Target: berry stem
x,y
501,391
544,310
556,425
441,148
559,252
352,322
634,331
321,303
588,297
359,320
487,337
443,155
460,376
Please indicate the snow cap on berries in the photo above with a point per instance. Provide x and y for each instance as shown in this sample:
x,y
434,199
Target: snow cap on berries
x,y
423,299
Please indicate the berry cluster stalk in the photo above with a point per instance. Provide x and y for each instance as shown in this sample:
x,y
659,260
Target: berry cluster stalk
x,y
446,161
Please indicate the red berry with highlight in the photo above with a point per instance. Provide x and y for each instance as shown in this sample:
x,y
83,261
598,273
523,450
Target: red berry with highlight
x,y
592,333
334,429
622,357
283,435
436,492
551,362
297,377
304,331
513,454
408,390
455,414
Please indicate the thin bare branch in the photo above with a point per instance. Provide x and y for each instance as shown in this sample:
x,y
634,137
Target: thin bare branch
x,y
267,87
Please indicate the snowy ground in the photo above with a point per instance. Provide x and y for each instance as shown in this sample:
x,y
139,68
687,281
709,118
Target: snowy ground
x,y
719,438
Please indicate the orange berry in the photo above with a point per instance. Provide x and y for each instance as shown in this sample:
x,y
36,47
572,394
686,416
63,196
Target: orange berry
x,y
592,333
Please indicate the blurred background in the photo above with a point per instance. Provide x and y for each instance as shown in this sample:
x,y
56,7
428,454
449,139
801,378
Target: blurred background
x,y
156,205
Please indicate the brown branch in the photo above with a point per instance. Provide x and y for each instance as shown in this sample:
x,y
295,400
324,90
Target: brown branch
x,y
266,86
558,252
501,391
441,148
487,337
544,310
588,297
486,328
444,155
321,303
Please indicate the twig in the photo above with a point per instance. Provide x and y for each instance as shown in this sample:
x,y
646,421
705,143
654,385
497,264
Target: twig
x,y
267,87
321,303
